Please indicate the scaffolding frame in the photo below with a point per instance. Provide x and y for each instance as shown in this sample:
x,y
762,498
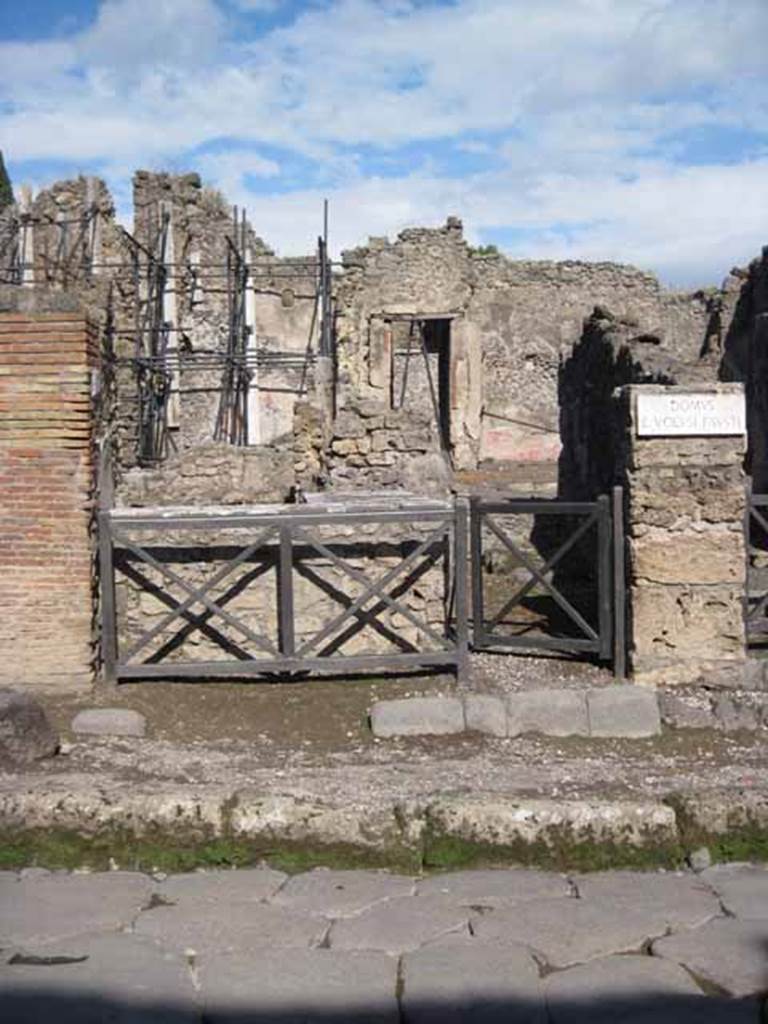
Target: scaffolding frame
x,y
159,357
74,249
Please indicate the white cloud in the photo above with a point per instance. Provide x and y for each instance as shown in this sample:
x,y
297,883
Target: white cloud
x,y
573,97
259,6
131,35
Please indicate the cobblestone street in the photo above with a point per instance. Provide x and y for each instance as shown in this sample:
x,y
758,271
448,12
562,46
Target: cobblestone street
x,y
480,946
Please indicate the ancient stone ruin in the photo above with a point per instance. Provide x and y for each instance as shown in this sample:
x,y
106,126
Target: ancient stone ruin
x,y
202,370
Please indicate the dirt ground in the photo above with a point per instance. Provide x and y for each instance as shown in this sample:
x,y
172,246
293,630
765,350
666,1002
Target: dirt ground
x,y
310,737
325,714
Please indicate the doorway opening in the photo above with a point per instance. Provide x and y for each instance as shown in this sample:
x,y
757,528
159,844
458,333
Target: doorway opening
x,y
421,371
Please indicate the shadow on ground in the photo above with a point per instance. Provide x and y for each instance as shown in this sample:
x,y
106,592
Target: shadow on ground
x,y
69,1008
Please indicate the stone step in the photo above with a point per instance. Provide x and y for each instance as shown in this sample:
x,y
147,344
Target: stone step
x,y
623,711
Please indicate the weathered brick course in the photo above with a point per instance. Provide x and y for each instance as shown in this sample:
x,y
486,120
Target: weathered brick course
x,y
47,484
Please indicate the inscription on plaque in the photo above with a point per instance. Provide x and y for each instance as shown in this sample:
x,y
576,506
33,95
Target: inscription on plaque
x,y
690,415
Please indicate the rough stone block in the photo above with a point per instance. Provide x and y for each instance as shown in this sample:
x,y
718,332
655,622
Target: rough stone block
x,y
630,711
59,906
567,932
681,622
472,982
486,714
681,900
688,495
300,986
685,714
710,557
400,925
742,888
551,712
627,989
417,716
341,893
344,447
496,820
109,722
727,953
235,925
734,716
217,887
25,732
650,453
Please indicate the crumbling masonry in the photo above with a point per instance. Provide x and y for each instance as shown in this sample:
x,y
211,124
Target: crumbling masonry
x,y
227,375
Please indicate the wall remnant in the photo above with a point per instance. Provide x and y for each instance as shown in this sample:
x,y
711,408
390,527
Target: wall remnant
x,y
744,358
448,366
49,386
685,514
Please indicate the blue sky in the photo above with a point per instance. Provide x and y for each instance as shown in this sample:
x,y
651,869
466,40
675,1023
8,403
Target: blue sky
x,y
630,130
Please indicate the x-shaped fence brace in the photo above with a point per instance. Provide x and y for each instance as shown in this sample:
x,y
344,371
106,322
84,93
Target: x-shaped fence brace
x,y
373,588
182,609
539,575
594,515
293,539
753,615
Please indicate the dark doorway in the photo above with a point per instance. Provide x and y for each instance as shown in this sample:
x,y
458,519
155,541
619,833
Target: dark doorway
x,y
421,369
437,347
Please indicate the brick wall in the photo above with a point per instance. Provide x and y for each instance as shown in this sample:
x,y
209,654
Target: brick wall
x,y
46,496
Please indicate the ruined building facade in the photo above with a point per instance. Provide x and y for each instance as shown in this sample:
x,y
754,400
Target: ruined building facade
x,y
238,376
204,370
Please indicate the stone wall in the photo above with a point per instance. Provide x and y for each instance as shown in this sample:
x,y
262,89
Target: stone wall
x,y
49,384
613,351
374,448
511,324
684,513
743,352
279,310
507,329
213,474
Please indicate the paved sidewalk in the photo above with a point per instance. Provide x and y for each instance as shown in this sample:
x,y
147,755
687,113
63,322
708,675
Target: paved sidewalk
x,y
479,946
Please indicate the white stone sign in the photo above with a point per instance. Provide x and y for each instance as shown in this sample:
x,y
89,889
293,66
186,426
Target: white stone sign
x,y
690,414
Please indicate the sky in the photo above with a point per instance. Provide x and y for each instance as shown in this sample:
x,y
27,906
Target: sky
x,y
627,130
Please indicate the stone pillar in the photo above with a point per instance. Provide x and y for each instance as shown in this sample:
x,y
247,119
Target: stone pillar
x,y
380,357
684,502
466,392
324,390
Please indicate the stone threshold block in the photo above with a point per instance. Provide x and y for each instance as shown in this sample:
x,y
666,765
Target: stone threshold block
x,y
109,722
418,716
620,711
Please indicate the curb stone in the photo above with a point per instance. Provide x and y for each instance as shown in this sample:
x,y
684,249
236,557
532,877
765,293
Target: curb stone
x,y
619,711
440,830
418,716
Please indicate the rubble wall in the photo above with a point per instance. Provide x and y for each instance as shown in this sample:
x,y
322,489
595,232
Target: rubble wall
x,y
613,351
512,323
374,448
744,359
